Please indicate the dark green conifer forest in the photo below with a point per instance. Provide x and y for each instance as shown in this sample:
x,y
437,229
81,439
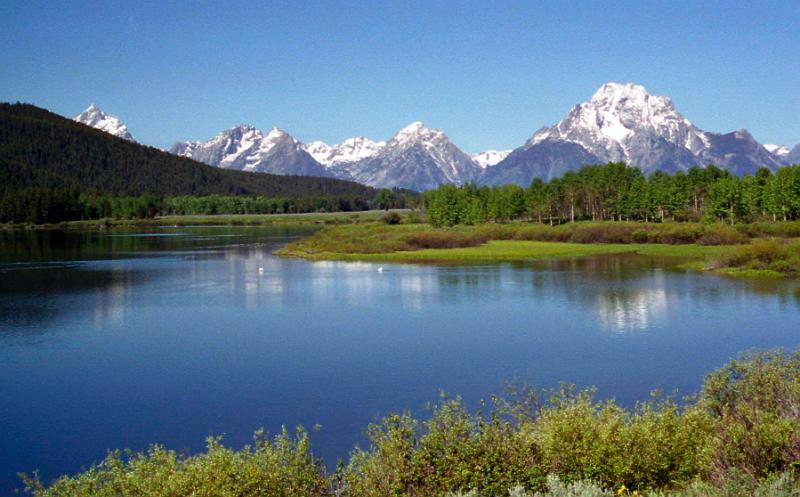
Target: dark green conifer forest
x,y
53,169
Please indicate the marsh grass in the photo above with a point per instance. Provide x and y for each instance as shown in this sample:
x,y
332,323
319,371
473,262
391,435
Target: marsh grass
x,y
506,242
763,256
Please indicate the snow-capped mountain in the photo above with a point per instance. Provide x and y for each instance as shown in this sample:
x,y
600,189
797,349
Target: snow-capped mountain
x,y
93,116
489,158
614,122
784,154
620,122
417,157
350,150
246,148
777,150
623,122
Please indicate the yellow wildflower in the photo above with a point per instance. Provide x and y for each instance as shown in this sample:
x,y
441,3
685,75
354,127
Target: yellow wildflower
x,y
622,488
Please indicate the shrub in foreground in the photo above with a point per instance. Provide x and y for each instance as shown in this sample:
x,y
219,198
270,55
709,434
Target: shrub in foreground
x,y
282,467
741,436
756,401
782,485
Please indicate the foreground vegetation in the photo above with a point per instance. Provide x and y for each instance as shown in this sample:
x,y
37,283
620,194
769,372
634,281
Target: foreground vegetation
x,y
739,436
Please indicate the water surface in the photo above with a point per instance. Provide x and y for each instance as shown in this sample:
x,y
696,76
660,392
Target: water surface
x,y
111,340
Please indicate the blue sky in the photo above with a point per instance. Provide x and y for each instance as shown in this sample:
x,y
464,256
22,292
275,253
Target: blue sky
x,y
487,73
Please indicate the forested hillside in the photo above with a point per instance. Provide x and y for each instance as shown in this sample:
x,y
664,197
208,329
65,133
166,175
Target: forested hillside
x,y
53,169
44,150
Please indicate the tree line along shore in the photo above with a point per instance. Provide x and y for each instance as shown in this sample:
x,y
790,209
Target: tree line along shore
x,y
617,192
613,192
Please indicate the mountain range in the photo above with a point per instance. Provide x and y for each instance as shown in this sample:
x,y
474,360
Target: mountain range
x,y
42,151
245,148
620,122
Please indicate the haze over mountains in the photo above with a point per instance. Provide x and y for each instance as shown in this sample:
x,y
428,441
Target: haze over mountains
x,y
621,122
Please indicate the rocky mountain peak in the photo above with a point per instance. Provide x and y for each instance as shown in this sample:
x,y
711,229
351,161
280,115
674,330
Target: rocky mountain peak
x,y
95,117
415,133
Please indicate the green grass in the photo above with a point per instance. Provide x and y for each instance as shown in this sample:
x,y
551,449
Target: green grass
x,y
487,243
217,220
509,250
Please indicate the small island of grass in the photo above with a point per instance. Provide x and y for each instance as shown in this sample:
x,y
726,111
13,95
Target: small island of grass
x,y
741,251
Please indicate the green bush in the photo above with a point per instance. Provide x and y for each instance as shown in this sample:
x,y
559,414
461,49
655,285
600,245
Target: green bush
x,y
761,254
721,235
391,218
756,401
282,467
454,450
444,239
741,436
640,236
651,447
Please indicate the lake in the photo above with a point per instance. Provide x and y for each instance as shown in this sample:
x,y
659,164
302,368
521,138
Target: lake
x,y
121,339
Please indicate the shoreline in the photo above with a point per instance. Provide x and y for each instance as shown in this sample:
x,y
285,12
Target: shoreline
x,y
210,220
735,255
505,251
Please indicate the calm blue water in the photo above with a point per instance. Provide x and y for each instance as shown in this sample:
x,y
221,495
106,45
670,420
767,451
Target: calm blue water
x,y
119,340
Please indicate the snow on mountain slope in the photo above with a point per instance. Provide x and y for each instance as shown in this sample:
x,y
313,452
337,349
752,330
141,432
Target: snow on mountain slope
x,y
319,150
620,119
620,122
623,122
489,158
93,116
782,153
246,148
778,150
350,150
417,157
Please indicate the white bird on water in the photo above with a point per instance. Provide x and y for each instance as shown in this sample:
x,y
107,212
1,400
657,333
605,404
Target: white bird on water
x,y
380,269
260,270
